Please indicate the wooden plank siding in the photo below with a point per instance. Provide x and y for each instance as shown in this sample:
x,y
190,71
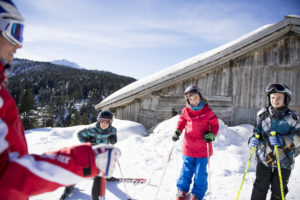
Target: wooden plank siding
x,y
278,61
234,84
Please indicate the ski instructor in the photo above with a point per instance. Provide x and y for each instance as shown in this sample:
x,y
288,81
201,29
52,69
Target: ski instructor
x,y
22,174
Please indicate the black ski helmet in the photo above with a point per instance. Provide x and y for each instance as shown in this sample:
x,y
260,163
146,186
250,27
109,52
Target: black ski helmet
x,y
279,88
192,89
105,114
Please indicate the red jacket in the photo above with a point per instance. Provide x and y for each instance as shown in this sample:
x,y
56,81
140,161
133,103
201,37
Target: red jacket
x,y
195,124
22,174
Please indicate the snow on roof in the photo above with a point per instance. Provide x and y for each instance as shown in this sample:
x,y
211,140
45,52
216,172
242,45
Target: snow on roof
x,y
189,64
292,16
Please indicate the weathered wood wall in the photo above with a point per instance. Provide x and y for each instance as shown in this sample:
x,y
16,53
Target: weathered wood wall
x,y
235,89
278,61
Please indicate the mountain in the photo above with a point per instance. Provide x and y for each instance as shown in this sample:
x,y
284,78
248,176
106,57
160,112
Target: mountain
x,y
66,63
147,157
62,95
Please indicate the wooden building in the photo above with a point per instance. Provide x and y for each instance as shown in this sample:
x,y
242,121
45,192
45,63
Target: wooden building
x,y
232,77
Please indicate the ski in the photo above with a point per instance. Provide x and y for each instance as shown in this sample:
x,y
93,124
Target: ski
x,y
127,180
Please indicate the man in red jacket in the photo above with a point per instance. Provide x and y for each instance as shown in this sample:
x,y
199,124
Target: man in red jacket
x,y
201,128
22,174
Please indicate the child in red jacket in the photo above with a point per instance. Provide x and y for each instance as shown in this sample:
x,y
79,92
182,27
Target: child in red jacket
x,y
201,127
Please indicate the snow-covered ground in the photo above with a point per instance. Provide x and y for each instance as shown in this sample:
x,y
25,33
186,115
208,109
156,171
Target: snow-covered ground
x,y
146,156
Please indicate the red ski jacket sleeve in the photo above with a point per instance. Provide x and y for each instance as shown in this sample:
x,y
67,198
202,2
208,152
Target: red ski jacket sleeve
x,y
22,174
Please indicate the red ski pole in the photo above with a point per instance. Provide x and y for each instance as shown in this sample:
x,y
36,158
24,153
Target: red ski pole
x,y
165,170
128,198
208,157
102,188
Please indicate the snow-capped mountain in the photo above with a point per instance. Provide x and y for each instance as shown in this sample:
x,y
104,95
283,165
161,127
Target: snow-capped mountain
x,y
66,63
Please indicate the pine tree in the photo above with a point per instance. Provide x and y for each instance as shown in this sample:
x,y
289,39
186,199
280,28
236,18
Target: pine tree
x,y
26,108
75,119
84,119
48,117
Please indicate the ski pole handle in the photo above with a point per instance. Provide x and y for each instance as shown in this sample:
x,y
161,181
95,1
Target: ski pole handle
x,y
273,133
257,136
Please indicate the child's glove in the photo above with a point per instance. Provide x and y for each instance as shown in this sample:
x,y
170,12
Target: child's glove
x,y
253,141
209,136
176,135
276,140
106,158
112,139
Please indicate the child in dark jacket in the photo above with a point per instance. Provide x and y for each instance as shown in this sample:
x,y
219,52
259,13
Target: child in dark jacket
x,y
201,127
102,132
286,123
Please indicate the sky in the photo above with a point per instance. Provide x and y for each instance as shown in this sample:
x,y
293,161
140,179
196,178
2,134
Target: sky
x,y
137,38
147,157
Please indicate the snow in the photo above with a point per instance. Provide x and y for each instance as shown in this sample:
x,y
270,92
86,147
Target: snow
x,y
292,16
146,156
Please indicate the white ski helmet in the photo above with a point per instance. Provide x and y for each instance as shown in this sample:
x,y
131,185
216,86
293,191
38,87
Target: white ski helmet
x,y
192,89
11,27
11,22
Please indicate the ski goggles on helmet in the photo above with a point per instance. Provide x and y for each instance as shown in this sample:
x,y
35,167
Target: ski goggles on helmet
x,y
104,121
12,30
190,94
277,87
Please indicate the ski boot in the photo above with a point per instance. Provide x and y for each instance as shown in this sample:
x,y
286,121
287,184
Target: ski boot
x,y
181,195
68,192
63,197
194,197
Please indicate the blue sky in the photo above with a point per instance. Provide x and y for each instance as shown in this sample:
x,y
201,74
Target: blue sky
x,y
139,37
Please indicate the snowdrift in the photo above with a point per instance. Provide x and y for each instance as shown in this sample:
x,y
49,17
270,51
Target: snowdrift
x,y
145,156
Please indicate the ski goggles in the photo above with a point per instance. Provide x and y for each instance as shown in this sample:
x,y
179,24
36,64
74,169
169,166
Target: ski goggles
x,y
277,87
12,30
190,94
104,121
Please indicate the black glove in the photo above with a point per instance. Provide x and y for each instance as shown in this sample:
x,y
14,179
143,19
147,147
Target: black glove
x,y
112,139
176,135
91,140
209,136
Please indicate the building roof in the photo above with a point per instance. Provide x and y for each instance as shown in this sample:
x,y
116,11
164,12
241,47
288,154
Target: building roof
x,y
155,81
